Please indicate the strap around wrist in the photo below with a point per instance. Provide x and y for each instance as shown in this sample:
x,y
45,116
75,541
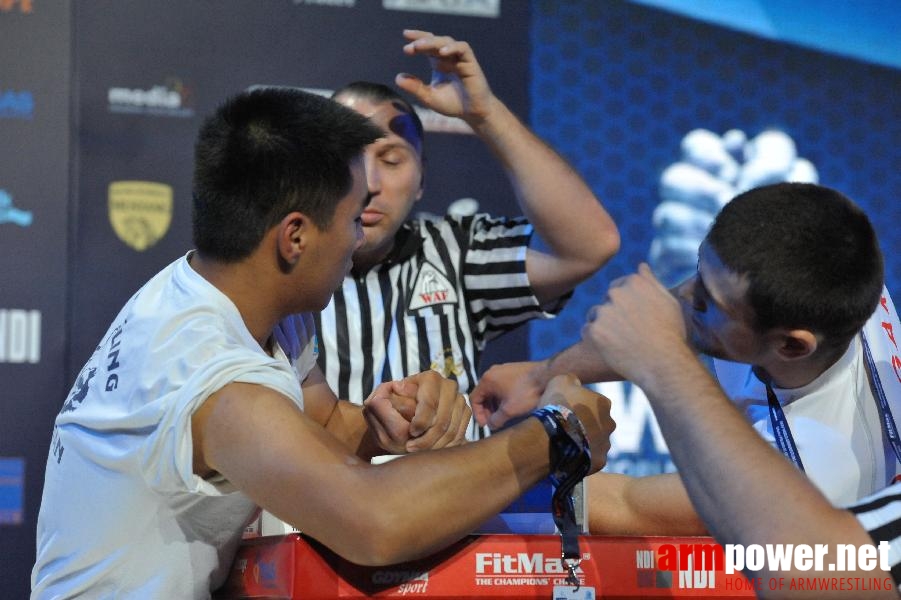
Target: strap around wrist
x,y
570,460
570,454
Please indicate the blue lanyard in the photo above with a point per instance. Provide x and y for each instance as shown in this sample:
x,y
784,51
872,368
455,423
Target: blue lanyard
x,y
885,412
781,431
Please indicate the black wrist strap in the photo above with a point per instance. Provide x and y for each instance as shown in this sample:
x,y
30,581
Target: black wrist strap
x,y
570,458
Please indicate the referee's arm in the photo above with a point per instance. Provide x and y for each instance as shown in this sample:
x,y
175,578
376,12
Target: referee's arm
x,y
579,233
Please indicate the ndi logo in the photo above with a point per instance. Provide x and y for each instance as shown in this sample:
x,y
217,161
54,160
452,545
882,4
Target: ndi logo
x,y
20,336
172,99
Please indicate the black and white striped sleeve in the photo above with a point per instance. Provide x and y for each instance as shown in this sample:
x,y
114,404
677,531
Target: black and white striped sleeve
x,y
880,515
498,290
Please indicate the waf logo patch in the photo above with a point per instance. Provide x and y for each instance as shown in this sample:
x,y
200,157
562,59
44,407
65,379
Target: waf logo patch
x,y
432,287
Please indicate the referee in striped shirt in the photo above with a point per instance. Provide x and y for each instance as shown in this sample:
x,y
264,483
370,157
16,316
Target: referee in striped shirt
x,y
429,293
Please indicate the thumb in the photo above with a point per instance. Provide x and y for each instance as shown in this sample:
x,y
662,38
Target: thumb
x,y
411,84
497,420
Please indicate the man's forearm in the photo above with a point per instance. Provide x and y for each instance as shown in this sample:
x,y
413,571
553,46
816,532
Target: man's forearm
x,y
742,488
578,359
347,424
405,492
556,200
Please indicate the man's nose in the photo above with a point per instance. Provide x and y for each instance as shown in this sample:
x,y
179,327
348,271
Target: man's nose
x,y
685,290
373,179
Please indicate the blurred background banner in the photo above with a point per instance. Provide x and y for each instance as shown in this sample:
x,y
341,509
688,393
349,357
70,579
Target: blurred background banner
x,y
665,113
668,116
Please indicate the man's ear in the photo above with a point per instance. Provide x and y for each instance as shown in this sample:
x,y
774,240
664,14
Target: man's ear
x,y
794,344
292,238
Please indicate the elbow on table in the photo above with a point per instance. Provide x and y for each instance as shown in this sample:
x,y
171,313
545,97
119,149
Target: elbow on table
x,y
380,539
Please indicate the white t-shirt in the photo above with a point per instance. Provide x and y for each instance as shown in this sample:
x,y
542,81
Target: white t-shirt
x,y
122,514
834,421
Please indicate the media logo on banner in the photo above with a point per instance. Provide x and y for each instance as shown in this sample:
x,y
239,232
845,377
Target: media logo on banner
x,y
469,8
172,99
20,336
10,214
16,104
24,6
140,212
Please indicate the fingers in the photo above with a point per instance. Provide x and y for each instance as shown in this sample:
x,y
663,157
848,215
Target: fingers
x,y
405,405
499,418
450,431
437,405
390,427
428,395
425,42
482,403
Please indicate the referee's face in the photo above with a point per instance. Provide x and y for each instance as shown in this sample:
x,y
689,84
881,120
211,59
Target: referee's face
x,y
393,174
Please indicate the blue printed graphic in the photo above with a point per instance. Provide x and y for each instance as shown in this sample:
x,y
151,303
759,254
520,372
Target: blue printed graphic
x,y
16,105
12,482
11,214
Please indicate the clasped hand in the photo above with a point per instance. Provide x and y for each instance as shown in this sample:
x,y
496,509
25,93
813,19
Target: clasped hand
x,y
420,412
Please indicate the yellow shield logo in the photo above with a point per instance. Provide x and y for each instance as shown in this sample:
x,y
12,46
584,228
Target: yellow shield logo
x,y
140,212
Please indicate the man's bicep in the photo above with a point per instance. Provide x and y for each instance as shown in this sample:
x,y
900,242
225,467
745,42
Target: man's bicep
x,y
268,448
549,277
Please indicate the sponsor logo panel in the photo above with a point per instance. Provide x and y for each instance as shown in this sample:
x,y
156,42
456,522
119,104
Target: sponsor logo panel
x,y
140,212
12,484
171,99
329,3
20,336
470,8
16,104
22,6
9,213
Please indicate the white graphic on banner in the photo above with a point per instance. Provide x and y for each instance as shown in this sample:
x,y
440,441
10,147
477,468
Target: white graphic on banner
x,y
636,446
471,8
20,336
172,99
713,170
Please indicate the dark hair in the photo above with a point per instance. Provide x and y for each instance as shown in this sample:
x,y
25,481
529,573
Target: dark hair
x,y
810,255
379,93
265,153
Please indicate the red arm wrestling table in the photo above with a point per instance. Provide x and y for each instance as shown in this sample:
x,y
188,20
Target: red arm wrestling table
x,y
481,566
